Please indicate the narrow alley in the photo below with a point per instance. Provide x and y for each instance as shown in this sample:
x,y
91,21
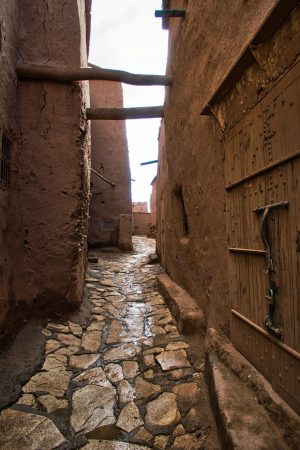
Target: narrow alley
x,y
125,379
149,225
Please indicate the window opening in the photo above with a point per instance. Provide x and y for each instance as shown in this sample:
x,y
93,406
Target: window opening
x,y
5,160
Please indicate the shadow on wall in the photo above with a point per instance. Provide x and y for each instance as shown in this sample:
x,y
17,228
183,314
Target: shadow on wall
x,y
180,212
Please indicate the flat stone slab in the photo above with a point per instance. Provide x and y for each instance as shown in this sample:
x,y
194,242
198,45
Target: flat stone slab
x,y
149,361
53,326
22,431
83,361
126,392
71,350
142,436
114,372
75,328
162,413
28,400
55,362
144,389
95,376
179,374
54,383
160,442
52,345
130,369
91,341
116,333
122,352
129,418
188,395
173,359
92,406
177,346
112,445
107,282
68,339
189,317
53,404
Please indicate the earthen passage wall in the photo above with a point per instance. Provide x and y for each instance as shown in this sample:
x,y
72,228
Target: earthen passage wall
x,y
141,223
191,200
140,207
11,236
46,205
153,201
110,159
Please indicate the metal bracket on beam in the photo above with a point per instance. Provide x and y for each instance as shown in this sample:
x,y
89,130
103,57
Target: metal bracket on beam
x,y
149,162
169,13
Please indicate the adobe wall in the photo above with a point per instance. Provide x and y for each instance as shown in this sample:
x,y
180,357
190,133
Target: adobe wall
x,y
140,207
11,236
191,196
153,201
47,203
110,159
54,156
141,223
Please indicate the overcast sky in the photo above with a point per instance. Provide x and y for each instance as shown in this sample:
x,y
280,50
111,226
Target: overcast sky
x,y
127,36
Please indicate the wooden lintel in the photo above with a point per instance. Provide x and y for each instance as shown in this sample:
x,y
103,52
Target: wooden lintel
x,y
69,74
277,14
147,112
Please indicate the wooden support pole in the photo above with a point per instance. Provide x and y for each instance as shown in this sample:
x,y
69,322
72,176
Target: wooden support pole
x,y
103,178
148,112
66,75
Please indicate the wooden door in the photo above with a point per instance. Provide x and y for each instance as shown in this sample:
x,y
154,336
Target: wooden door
x,y
262,169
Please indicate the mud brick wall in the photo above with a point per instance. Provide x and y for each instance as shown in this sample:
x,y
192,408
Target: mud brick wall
x,y
11,236
110,159
141,223
47,203
192,239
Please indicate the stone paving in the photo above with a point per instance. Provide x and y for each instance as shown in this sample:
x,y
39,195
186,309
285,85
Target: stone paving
x,y
125,381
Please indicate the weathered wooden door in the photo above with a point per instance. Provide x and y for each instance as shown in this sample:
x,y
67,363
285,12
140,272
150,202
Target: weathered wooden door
x,y
262,171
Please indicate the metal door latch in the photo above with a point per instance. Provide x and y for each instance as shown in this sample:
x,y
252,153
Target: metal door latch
x,y
272,289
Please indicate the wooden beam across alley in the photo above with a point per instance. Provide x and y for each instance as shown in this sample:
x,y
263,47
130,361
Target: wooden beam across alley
x,y
148,112
66,75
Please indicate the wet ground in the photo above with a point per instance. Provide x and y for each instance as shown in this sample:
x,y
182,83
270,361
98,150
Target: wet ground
x,y
126,379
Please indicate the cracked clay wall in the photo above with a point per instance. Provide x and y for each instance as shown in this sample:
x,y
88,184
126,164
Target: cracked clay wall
x,y
10,224
192,241
47,202
110,209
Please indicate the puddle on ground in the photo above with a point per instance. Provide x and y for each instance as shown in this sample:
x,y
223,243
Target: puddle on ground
x,y
106,432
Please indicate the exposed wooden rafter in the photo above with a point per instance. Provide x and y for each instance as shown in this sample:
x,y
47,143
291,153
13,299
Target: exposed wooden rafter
x,y
147,112
69,74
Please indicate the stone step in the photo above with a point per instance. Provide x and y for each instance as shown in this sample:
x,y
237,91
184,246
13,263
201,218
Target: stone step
x,y
189,317
243,423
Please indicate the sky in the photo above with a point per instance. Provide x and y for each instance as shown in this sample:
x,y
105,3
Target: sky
x,y
126,36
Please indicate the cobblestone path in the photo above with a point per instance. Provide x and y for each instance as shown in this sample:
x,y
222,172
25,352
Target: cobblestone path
x,y
127,380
